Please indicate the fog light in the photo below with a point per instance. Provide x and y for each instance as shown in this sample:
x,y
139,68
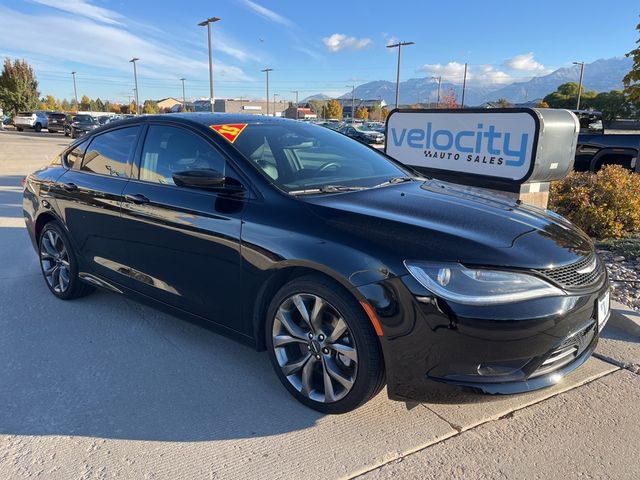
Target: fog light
x,y
444,275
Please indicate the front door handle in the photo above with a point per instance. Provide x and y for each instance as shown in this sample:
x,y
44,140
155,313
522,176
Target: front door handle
x,y
69,187
138,199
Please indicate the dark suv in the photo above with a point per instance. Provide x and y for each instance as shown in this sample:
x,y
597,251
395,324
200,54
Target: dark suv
x,y
56,122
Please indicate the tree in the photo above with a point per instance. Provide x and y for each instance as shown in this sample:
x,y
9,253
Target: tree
x,y
150,107
612,104
317,106
542,104
384,113
375,113
631,80
65,105
362,113
49,103
503,103
334,109
448,100
114,108
18,86
566,96
85,103
99,106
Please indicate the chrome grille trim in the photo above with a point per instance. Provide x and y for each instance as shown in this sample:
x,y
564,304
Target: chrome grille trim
x,y
570,276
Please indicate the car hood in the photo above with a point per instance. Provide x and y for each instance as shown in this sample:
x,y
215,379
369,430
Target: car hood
x,y
440,221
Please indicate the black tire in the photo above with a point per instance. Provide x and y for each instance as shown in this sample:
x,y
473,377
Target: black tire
x,y
76,288
66,132
370,374
37,127
19,129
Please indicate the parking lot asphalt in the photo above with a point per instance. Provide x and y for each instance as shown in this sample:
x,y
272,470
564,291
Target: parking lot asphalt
x,y
104,387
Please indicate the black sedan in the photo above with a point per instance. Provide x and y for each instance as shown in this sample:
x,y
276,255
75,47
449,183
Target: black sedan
x,y
363,135
83,124
350,269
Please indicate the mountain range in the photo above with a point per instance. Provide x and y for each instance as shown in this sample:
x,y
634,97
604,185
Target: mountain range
x,y
601,75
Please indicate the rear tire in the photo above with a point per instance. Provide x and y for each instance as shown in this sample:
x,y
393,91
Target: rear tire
x,y
19,129
328,357
37,127
59,265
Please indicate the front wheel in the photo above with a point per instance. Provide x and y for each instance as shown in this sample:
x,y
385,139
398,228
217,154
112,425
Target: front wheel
x,y
19,129
37,127
59,265
323,346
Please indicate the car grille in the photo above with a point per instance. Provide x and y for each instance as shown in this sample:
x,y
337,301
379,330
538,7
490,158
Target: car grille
x,y
571,277
569,350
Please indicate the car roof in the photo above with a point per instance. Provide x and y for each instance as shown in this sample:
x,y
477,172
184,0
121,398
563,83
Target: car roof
x,y
207,118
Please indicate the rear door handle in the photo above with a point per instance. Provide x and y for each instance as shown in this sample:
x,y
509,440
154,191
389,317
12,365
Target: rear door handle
x,y
69,187
138,199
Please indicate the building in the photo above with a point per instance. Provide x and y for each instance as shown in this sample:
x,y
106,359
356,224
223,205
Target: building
x,y
357,103
300,113
255,107
167,104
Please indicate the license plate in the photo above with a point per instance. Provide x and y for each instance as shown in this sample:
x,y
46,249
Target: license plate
x,y
603,311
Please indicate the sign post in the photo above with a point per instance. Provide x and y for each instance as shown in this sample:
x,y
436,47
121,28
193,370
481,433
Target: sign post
x,y
516,151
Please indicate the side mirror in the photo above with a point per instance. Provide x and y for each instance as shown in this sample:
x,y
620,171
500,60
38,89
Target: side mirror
x,y
199,178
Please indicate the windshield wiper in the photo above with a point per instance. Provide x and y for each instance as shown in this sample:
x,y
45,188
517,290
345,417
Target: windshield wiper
x,y
393,181
327,189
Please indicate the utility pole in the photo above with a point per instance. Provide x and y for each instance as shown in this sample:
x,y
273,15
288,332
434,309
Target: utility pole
x,y
399,45
464,84
135,79
439,78
207,23
580,84
184,97
75,90
267,70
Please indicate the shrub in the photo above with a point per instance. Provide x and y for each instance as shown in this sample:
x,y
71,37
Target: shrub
x,y
605,204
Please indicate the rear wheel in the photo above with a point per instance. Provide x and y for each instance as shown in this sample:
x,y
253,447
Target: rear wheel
x,y
19,129
37,127
59,265
322,346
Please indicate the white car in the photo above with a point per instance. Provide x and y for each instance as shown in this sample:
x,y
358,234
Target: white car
x,y
35,120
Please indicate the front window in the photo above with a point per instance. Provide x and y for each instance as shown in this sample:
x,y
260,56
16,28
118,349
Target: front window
x,y
296,156
110,152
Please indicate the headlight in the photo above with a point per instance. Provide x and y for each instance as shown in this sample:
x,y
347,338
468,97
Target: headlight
x,y
459,284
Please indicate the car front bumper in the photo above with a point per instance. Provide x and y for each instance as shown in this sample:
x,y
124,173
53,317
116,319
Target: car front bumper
x,y
434,349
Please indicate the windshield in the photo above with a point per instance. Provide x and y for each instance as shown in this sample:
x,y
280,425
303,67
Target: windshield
x,y
85,119
297,156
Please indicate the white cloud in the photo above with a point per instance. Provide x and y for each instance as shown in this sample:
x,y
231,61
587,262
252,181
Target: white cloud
x,y
103,46
84,9
340,41
525,62
266,13
452,71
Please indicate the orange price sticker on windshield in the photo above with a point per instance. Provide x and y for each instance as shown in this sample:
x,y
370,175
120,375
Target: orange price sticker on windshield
x,y
230,131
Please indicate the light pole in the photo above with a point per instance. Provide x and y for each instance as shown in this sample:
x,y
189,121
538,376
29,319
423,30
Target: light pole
x,y
399,45
207,23
353,101
267,70
580,84
75,90
439,78
184,97
464,84
135,79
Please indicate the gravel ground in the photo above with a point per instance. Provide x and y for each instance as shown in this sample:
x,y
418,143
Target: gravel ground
x,y
624,274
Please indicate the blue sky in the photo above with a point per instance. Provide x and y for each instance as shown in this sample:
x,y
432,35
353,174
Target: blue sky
x,y
313,47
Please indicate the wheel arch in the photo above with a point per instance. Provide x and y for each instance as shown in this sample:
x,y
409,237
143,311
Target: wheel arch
x,y
600,158
277,280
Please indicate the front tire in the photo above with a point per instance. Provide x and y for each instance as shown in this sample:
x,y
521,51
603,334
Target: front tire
x,y
37,127
19,129
322,346
59,265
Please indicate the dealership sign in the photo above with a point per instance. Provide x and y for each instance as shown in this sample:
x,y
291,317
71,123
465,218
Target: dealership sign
x,y
498,146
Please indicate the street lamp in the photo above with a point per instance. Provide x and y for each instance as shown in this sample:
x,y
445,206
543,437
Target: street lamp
x,y
464,85
439,78
75,90
135,79
184,98
207,23
580,84
399,45
267,70
353,101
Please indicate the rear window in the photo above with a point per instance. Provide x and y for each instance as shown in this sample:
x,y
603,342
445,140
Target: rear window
x,y
74,157
58,116
109,153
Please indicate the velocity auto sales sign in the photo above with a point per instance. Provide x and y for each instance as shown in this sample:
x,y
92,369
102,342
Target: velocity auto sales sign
x,y
485,143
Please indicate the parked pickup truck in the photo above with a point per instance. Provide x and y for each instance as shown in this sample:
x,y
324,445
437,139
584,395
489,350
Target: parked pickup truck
x,y
597,148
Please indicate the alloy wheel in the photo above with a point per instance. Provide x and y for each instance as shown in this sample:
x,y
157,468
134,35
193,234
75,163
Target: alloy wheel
x,y
314,348
54,259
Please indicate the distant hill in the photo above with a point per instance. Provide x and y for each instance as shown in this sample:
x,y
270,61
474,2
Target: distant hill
x,y
317,96
601,75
